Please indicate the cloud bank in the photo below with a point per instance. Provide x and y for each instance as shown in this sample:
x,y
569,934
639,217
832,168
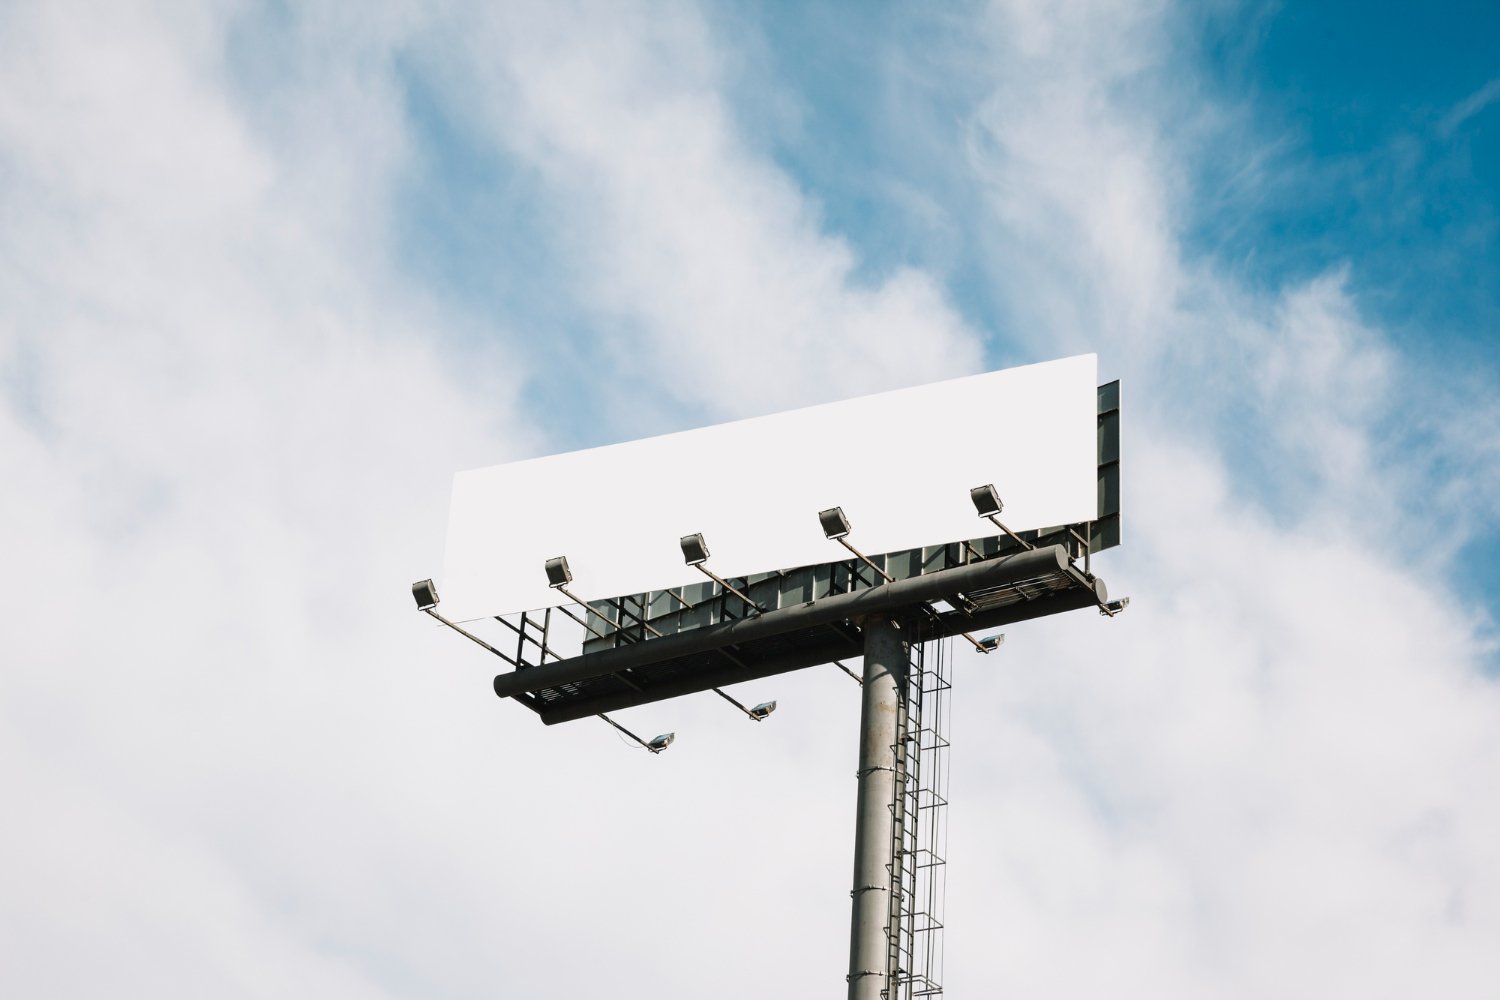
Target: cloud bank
x,y
242,765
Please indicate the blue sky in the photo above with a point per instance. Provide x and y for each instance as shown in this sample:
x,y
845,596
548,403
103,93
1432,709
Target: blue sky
x,y
1309,143
271,273
1389,161
1359,142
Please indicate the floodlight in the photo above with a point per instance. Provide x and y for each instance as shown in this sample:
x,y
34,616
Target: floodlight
x,y
655,746
991,643
986,500
987,503
558,574
426,594
1113,608
558,578
756,714
694,549
835,524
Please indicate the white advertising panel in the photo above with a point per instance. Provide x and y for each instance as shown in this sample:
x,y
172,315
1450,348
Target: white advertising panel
x,y
899,463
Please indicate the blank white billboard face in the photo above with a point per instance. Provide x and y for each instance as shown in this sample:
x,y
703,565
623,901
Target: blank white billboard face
x,y
899,463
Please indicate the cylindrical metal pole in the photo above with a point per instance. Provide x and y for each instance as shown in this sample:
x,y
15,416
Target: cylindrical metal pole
x,y
879,722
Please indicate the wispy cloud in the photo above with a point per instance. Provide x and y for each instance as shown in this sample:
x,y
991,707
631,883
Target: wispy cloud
x,y
705,265
242,763
1469,107
237,432
1249,786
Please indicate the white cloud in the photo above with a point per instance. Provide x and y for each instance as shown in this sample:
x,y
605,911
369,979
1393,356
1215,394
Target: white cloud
x,y
707,267
243,765
226,441
1266,778
1469,107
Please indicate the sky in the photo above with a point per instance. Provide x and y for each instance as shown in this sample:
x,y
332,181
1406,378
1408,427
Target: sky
x,y
271,273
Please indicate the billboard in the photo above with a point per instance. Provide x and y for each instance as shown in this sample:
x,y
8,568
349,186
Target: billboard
x,y
899,463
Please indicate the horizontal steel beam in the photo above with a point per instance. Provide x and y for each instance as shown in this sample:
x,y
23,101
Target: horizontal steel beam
x,y
823,648
885,599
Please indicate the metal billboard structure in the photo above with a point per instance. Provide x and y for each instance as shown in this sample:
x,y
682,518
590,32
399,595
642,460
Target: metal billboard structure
x,y
678,627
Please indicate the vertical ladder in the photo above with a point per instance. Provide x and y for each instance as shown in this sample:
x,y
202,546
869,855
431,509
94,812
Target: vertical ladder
x,y
918,873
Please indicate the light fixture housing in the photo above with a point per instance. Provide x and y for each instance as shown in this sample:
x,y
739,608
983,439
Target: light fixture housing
x,y
661,742
425,592
986,500
558,574
765,708
1115,607
835,524
991,643
694,549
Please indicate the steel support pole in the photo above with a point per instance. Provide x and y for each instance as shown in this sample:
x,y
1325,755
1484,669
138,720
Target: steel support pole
x,y
874,831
